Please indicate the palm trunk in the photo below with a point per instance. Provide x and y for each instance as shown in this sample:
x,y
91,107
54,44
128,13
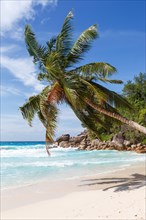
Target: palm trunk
x,y
118,117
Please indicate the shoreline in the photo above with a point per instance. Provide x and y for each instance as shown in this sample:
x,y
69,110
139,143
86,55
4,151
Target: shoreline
x,y
130,180
123,167
101,170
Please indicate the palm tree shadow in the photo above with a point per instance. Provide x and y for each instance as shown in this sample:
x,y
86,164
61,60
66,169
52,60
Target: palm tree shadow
x,y
119,184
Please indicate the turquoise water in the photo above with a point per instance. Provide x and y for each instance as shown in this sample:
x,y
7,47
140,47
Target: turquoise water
x,y
24,163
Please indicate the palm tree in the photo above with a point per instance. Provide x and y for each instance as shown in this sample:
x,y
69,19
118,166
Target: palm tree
x,y
77,86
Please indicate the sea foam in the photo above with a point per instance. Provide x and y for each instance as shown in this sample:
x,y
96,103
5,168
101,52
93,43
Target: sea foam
x,y
25,162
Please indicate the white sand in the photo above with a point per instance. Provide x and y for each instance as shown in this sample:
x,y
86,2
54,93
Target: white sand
x,y
116,196
86,205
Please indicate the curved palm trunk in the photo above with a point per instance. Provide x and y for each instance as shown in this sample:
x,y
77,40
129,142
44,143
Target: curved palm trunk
x,y
118,117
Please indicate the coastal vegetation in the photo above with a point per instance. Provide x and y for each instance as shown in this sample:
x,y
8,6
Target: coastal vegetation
x,y
96,106
134,92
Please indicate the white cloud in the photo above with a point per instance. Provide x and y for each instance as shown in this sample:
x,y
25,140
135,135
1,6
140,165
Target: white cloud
x,y
13,11
46,2
23,69
9,90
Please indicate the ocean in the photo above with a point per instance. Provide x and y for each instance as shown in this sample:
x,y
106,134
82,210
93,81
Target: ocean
x,y
24,163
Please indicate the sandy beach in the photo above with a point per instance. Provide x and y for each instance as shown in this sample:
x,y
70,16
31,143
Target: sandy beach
x,y
117,195
73,110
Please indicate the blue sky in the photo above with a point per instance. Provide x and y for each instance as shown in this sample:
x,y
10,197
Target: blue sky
x,y
121,43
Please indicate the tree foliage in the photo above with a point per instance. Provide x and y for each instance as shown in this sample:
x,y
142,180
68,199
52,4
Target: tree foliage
x,y
78,86
135,93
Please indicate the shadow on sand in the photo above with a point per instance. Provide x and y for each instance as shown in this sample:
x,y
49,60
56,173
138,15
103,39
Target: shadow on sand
x,y
119,184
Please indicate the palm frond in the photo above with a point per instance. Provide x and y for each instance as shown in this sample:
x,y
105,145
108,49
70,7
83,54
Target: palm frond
x,y
94,92
93,118
54,65
30,108
49,137
45,77
82,44
70,96
50,126
114,99
35,50
49,113
96,70
64,39
51,44
112,81
89,118
87,115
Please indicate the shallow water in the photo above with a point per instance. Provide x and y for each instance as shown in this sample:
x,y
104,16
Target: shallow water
x,y
27,162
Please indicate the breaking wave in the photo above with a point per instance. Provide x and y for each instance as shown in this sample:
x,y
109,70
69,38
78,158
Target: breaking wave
x,y
25,161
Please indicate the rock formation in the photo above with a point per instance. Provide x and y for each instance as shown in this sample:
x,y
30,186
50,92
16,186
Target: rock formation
x,y
83,142
64,137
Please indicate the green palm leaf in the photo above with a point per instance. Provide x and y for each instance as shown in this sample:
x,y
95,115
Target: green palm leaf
x,y
82,45
48,116
64,39
30,108
45,123
115,100
51,44
70,97
54,66
115,81
89,118
87,115
38,52
95,92
95,70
